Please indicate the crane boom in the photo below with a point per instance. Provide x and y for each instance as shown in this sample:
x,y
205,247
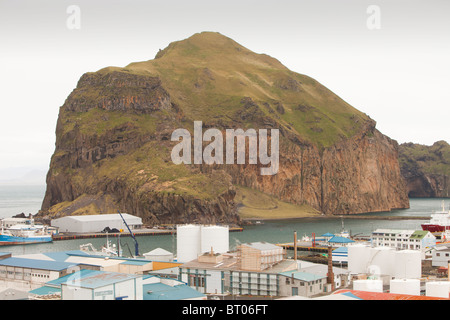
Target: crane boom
x,y
136,245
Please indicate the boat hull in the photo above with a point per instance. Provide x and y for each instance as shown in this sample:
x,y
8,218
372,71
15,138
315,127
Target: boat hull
x,y
434,228
6,240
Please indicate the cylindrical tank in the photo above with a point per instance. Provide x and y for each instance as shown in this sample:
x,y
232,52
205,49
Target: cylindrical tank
x,y
358,255
372,285
408,264
188,242
405,286
215,237
439,289
159,254
381,260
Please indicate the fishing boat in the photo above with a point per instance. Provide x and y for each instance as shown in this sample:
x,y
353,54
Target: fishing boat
x,y
24,234
439,222
107,250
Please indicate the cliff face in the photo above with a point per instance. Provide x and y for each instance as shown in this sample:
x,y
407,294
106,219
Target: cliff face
x,y
114,143
426,169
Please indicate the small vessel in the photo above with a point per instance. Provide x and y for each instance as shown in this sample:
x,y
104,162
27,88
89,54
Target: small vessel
x,y
439,222
107,250
24,234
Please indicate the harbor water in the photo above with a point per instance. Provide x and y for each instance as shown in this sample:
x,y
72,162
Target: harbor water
x,y
14,200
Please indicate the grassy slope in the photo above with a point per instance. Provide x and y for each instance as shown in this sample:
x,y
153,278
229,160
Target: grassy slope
x,y
433,159
208,74
257,205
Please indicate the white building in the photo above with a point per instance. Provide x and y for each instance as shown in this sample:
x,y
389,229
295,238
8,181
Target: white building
x,y
403,239
440,256
96,223
102,285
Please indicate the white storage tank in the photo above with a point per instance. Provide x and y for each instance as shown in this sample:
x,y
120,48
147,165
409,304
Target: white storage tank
x,y
371,285
358,256
381,260
408,264
188,242
438,289
159,254
215,237
405,286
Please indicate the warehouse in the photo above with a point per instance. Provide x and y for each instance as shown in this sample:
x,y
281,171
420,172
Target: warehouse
x,y
96,223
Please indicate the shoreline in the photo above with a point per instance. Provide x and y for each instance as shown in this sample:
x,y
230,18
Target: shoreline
x,y
339,217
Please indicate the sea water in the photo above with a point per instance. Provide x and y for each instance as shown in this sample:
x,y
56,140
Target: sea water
x,y
28,199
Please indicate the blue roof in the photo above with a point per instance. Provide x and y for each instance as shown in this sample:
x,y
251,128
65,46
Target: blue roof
x,y
341,250
45,290
327,235
64,255
337,239
136,262
349,294
36,264
161,291
303,276
69,277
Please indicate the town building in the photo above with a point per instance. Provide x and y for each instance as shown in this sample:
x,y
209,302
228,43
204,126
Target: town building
x,y
403,239
440,257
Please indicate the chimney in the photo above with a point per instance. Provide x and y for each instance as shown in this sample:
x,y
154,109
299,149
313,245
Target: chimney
x,y
295,245
330,275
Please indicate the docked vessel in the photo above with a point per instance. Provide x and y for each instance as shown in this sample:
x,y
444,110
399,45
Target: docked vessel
x,y
439,222
24,234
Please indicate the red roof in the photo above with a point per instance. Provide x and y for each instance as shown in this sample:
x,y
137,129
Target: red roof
x,y
366,295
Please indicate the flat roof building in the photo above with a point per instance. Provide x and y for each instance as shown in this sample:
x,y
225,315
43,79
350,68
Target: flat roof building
x,y
96,223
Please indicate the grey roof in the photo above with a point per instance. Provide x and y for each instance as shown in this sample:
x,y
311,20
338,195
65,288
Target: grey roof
x,y
262,246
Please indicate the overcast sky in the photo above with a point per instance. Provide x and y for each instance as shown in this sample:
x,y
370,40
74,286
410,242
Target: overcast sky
x,y
398,74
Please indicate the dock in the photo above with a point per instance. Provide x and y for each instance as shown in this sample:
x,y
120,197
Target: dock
x,y
136,233
303,246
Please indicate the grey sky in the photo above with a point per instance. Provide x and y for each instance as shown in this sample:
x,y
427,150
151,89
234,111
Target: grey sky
x,y
399,75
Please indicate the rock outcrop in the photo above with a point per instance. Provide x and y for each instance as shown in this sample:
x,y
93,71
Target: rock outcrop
x,y
426,169
113,139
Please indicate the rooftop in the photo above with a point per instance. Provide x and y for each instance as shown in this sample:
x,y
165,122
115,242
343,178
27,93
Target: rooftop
x,y
303,276
96,279
262,246
36,264
161,291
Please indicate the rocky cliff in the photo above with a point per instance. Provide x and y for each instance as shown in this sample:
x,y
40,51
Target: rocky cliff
x,y
426,169
113,139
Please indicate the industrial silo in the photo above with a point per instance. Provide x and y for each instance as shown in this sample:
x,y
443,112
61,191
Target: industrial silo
x,y
371,285
381,260
438,289
405,286
215,237
408,264
358,256
188,242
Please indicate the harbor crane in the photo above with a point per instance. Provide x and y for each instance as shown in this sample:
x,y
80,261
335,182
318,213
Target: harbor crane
x,y
136,245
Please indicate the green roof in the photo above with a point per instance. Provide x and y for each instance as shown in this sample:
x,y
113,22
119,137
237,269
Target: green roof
x,y
419,234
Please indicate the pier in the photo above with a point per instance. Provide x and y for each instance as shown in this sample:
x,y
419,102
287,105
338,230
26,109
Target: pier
x,y
303,246
142,232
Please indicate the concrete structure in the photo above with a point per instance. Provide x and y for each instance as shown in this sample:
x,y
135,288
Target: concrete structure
x,y
403,239
440,257
407,264
405,286
371,285
96,223
194,240
438,289
102,285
